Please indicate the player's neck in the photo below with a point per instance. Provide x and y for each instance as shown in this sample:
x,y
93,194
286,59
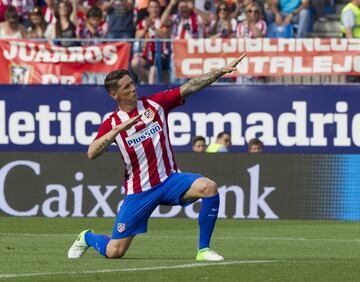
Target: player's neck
x,y
127,106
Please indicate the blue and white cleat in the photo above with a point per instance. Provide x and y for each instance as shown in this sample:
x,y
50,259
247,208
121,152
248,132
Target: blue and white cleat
x,y
79,247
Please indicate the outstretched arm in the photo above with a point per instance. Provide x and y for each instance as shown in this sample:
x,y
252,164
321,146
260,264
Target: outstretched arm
x,y
200,82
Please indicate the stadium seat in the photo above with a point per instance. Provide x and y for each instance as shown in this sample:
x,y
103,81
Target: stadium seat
x,y
275,31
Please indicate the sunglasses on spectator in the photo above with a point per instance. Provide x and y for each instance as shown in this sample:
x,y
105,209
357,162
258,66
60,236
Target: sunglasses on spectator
x,y
222,9
253,11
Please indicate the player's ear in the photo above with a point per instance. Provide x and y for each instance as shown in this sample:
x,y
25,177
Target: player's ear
x,y
112,94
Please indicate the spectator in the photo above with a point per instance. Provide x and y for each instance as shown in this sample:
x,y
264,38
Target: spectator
x,y
38,24
186,23
350,20
11,28
240,8
22,7
49,11
63,27
142,8
223,26
199,144
92,27
150,28
253,26
292,11
350,26
255,146
223,142
3,8
120,16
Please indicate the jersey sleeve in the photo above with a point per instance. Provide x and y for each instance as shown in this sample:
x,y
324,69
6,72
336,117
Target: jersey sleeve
x,y
104,128
168,99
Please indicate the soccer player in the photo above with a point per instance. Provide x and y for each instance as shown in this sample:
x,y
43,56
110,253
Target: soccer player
x,y
139,128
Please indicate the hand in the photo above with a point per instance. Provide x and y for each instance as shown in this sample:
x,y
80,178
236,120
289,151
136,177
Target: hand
x,y
278,19
287,20
173,2
232,66
128,124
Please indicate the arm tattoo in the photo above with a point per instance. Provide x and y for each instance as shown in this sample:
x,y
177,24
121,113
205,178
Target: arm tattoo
x,y
99,149
200,82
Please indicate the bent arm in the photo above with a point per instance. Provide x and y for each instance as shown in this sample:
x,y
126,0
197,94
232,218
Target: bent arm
x,y
98,146
200,82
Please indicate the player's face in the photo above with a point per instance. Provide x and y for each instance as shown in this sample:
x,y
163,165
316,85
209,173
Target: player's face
x,y
199,147
225,140
126,90
256,148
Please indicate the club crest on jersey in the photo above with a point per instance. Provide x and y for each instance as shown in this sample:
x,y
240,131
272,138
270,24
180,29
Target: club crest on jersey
x,y
121,227
143,134
149,114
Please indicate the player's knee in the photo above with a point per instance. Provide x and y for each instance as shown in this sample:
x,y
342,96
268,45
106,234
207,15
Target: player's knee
x,y
209,188
115,253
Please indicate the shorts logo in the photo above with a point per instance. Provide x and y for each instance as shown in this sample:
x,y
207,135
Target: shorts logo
x,y
143,134
121,227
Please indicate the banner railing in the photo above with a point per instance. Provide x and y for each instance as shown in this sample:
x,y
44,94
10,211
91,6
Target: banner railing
x,y
162,61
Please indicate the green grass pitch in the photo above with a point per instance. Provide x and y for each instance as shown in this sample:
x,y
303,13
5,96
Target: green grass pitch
x,y
35,249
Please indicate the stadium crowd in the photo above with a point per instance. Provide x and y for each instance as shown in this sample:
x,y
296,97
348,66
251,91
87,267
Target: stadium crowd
x,y
147,18
175,19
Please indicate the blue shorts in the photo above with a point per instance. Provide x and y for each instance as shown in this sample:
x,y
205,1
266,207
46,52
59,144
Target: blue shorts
x,y
136,209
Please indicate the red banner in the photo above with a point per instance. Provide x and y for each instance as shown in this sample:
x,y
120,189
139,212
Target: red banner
x,y
269,57
29,62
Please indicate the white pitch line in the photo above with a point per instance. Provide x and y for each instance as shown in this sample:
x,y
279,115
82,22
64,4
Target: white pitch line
x,y
143,236
192,265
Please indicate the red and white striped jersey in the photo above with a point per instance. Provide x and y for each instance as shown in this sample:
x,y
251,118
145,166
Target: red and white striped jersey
x,y
145,148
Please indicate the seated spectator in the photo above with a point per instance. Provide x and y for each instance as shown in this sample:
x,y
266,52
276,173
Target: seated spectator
x,y
292,12
199,144
255,146
92,27
120,14
49,11
186,23
11,28
240,8
350,27
150,28
38,24
63,27
223,26
223,142
253,26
